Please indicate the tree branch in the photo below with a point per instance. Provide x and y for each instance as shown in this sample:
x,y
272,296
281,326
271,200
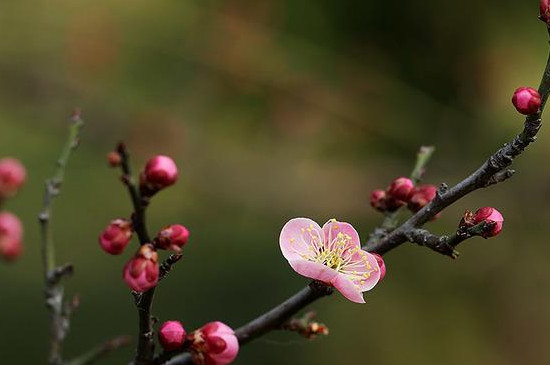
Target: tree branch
x,y
446,244
491,172
59,318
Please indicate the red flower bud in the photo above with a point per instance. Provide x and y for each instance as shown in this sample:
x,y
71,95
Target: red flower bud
x,y
171,335
421,196
11,235
114,159
526,100
489,215
141,273
381,265
159,173
116,236
545,11
12,176
401,188
378,200
173,237
214,344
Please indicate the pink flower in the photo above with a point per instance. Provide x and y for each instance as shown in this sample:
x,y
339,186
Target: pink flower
x,y
159,173
331,254
11,235
489,215
116,236
214,344
171,335
141,273
401,188
526,100
12,176
173,237
421,196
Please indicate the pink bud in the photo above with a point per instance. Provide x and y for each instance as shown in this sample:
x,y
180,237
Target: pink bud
x,y
159,173
378,200
214,344
421,196
545,11
489,215
141,273
114,159
171,335
526,100
10,249
12,176
173,237
381,265
11,235
401,188
116,236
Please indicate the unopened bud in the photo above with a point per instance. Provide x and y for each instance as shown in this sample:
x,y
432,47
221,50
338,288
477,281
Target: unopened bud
x,y
173,237
487,215
401,188
116,236
12,176
526,100
421,196
378,200
214,344
171,335
11,235
114,159
159,173
381,265
141,273
545,11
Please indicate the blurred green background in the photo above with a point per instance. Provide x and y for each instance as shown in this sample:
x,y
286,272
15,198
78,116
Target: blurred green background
x,y
276,109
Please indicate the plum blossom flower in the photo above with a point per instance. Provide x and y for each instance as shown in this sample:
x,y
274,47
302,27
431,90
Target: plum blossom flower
x,y
331,254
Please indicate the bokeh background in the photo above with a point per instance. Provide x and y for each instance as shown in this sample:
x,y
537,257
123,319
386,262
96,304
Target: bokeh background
x,y
276,109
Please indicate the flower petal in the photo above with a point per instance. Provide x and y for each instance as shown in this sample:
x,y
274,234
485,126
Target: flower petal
x,y
348,288
374,273
333,227
314,270
299,237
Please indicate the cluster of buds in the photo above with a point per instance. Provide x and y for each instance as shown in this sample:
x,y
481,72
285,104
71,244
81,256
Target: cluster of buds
x,y
485,222
402,192
12,178
141,273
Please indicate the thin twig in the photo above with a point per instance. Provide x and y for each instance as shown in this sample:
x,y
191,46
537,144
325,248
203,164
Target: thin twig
x,y
144,301
446,245
100,351
59,318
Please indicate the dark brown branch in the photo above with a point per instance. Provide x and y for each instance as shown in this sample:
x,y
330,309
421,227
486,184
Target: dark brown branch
x,y
268,321
144,302
59,317
446,245
168,264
